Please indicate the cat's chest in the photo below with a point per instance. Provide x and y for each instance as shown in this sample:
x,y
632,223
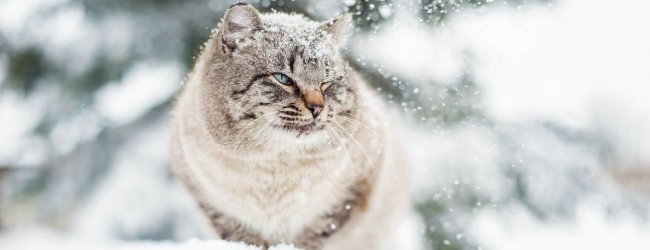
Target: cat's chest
x,y
279,204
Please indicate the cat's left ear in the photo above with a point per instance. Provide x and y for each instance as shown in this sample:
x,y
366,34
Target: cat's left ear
x,y
240,22
340,28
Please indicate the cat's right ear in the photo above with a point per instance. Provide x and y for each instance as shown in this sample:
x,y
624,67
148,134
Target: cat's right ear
x,y
340,28
240,22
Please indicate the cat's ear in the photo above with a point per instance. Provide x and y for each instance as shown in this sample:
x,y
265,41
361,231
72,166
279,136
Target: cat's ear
x,y
241,21
340,28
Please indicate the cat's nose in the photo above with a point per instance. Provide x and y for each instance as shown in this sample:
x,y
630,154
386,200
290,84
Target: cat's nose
x,y
315,110
314,101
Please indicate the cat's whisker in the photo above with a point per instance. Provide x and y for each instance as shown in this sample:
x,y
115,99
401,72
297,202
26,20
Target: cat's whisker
x,y
348,51
349,157
276,154
250,125
344,140
341,144
362,125
359,119
326,175
253,139
266,133
356,142
283,145
258,119
258,139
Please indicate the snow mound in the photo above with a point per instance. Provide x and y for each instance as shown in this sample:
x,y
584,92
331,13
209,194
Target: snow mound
x,y
50,240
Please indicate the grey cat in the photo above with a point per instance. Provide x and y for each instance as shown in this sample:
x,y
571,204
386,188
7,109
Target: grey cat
x,y
280,141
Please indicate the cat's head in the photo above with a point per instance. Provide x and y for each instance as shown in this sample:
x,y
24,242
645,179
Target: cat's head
x,y
277,78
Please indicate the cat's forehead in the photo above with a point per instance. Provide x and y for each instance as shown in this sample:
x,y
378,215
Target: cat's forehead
x,y
296,31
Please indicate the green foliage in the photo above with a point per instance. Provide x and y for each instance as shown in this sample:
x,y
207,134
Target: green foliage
x,y
441,104
445,216
367,14
436,12
26,66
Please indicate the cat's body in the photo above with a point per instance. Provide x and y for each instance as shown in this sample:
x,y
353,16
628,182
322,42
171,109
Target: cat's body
x,y
311,162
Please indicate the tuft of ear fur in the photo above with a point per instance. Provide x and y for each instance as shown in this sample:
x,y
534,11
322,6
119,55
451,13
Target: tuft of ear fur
x,y
241,21
340,28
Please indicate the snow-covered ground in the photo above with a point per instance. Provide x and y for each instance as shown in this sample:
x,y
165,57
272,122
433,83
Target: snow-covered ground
x,y
39,238
592,229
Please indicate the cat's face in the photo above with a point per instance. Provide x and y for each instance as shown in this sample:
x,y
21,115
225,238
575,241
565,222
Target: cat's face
x,y
278,79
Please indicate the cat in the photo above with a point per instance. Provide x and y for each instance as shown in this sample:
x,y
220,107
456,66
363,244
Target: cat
x,y
280,141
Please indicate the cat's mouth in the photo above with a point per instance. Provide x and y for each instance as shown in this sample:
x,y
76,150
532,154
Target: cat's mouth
x,y
301,129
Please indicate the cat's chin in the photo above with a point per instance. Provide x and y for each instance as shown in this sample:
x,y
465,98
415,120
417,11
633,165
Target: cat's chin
x,y
304,135
301,130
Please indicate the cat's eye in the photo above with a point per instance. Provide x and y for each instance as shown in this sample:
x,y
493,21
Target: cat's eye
x,y
325,85
282,78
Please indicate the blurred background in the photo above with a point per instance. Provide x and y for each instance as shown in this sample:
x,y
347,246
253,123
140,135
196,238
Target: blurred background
x,y
527,122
